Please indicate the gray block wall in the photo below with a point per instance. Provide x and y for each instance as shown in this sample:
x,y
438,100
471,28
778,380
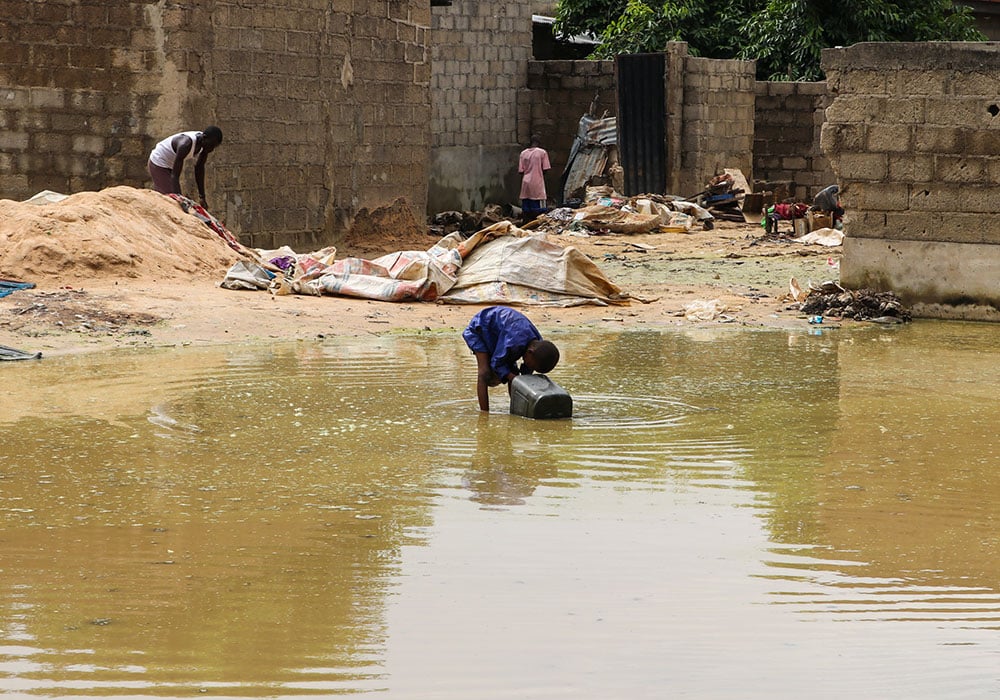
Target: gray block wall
x,y
913,134
479,56
788,120
325,104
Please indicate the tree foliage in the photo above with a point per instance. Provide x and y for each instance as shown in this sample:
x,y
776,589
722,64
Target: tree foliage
x,y
786,37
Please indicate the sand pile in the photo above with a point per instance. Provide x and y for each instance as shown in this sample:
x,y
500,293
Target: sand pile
x,y
117,232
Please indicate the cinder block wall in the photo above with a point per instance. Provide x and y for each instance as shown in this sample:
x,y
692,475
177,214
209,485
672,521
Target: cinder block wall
x,y
913,134
557,95
479,54
325,104
788,119
717,131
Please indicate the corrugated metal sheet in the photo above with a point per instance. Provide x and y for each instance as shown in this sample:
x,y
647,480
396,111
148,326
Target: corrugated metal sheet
x,y
589,154
590,160
642,144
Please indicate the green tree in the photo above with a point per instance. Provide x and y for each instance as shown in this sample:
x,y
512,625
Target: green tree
x,y
786,37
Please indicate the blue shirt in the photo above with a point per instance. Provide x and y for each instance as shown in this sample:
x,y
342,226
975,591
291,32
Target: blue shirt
x,y
503,334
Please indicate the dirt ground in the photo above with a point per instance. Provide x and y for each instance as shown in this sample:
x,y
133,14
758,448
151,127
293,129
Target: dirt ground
x,y
77,308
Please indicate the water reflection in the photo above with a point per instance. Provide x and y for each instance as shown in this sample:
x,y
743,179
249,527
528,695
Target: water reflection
x,y
505,468
320,518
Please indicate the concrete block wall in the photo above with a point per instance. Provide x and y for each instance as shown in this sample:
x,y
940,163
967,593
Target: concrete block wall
x,y
913,134
479,57
77,90
717,129
325,104
788,119
557,95
329,103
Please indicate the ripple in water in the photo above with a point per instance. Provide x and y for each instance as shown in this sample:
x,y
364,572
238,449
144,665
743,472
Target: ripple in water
x,y
617,411
591,411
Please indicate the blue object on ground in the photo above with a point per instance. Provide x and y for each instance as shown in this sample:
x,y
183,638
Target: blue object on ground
x,y
10,286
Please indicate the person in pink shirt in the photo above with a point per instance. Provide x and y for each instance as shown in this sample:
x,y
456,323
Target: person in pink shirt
x,y
532,164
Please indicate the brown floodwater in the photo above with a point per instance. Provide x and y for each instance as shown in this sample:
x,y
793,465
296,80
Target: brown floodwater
x,y
751,514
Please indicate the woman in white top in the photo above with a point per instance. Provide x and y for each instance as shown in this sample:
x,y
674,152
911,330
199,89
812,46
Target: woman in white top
x,y
167,159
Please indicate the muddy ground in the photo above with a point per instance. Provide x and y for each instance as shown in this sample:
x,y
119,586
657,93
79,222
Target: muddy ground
x,y
664,272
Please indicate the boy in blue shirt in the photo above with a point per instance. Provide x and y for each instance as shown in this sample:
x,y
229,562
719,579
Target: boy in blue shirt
x,y
499,336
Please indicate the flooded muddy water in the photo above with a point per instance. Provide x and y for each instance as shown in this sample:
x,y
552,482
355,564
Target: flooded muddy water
x,y
728,514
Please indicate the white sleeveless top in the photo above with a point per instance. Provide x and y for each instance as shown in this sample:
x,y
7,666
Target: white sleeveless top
x,y
163,153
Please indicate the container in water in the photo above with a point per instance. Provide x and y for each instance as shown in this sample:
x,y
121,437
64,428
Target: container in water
x,y
537,396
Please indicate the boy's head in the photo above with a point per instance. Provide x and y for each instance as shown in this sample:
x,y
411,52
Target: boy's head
x,y
541,356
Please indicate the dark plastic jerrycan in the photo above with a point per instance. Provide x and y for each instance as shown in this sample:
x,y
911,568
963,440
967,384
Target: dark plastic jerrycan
x,y
537,396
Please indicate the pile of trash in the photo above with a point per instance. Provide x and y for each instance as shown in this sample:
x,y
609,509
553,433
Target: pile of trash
x,y
446,222
603,210
831,299
723,196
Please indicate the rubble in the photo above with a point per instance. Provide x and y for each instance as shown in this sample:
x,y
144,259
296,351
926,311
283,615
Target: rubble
x,y
831,299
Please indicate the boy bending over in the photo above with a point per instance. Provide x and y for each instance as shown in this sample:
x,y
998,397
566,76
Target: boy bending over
x,y
499,336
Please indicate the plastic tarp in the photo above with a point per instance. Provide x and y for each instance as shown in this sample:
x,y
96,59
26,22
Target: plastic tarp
x,y
823,236
599,217
532,271
409,275
500,264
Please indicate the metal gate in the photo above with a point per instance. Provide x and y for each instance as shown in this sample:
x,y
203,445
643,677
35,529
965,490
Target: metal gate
x,y
642,122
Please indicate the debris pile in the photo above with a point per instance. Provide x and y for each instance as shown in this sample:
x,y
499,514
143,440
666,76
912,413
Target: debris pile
x,y
593,158
446,222
861,305
723,197
603,210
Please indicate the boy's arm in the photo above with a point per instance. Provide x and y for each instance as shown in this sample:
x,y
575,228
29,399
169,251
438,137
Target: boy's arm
x,y
485,378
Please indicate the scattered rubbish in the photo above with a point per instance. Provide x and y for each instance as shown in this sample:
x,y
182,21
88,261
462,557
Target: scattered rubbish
x,y
829,237
703,310
447,222
537,396
246,274
815,320
831,299
603,210
642,247
796,292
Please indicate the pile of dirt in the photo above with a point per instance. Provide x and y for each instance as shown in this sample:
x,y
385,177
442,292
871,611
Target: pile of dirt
x,y
120,232
386,229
